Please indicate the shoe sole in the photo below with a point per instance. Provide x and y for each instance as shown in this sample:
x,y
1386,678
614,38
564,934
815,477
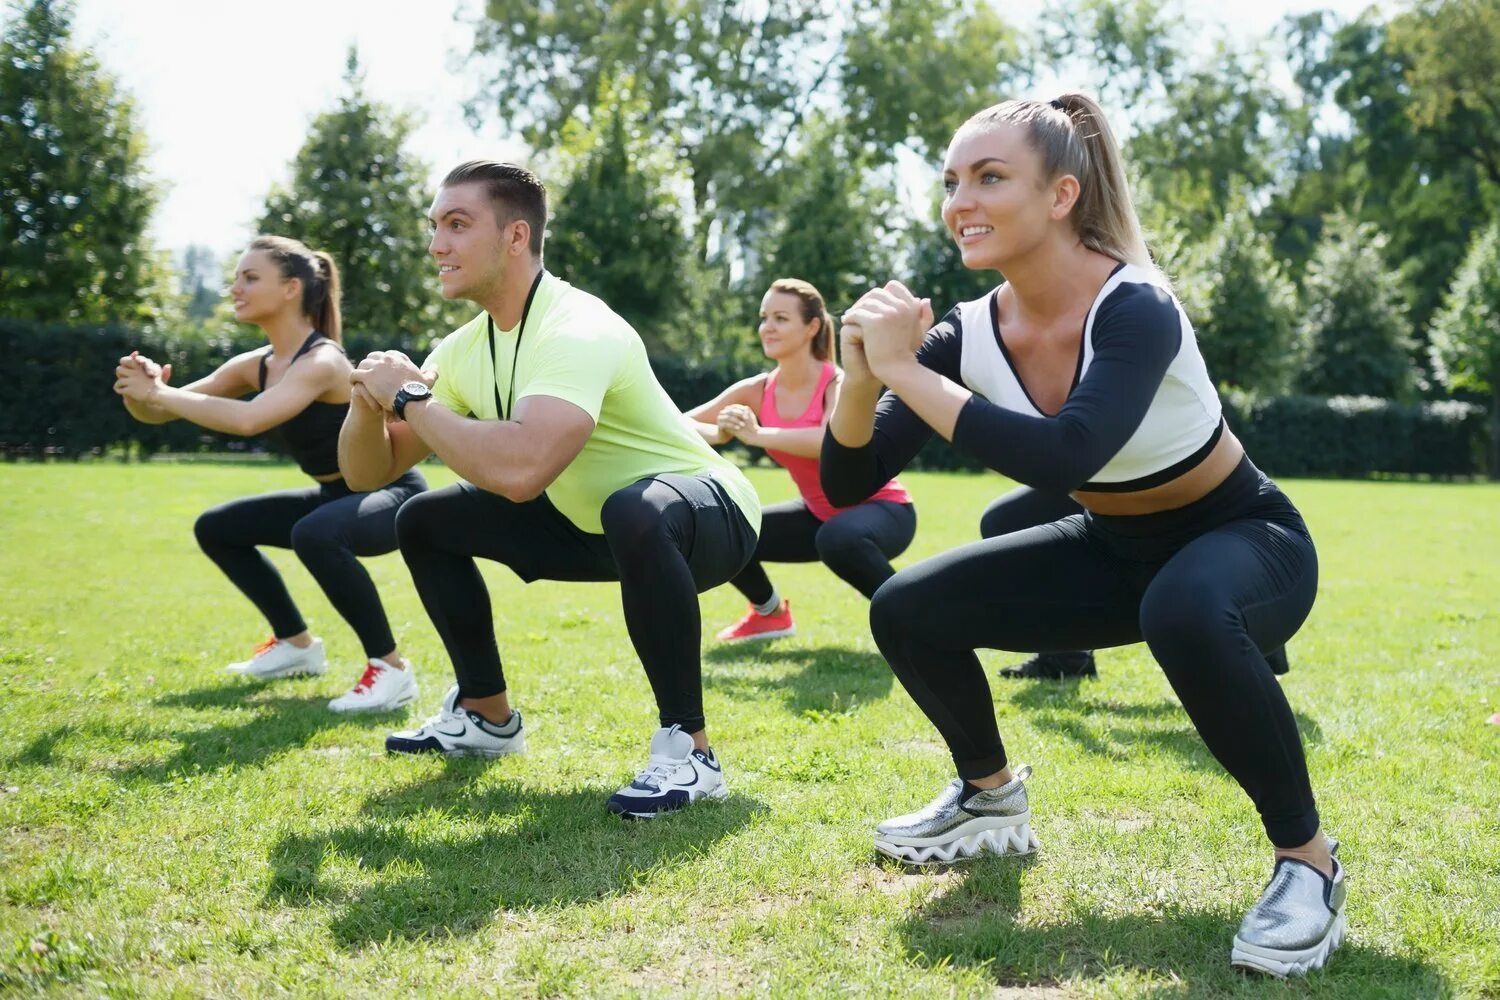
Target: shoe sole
x,y
1009,838
465,752
389,706
780,633
298,671
1281,964
718,794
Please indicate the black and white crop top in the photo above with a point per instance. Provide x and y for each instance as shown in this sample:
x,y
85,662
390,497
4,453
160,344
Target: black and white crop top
x,y
1141,411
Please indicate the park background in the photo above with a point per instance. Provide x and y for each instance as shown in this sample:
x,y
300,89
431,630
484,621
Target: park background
x,y
1323,188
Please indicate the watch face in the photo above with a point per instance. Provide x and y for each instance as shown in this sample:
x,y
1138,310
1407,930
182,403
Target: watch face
x,y
416,390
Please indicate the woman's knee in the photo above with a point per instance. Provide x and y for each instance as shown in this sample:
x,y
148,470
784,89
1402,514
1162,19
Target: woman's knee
x,y
837,544
317,531
211,526
897,610
1187,613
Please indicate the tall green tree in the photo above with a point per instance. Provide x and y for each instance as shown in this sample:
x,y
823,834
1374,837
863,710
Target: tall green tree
x,y
834,222
1354,325
1453,47
356,193
1466,331
1242,306
200,282
617,231
75,196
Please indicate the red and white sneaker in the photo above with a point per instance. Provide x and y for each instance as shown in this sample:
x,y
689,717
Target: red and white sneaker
x,y
381,688
758,626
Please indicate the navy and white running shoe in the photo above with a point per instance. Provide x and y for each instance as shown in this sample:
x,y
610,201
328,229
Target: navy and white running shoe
x,y
457,732
676,775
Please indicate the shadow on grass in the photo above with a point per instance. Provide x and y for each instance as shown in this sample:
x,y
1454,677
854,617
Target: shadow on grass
x,y
976,923
394,873
831,679
1118,730
276,725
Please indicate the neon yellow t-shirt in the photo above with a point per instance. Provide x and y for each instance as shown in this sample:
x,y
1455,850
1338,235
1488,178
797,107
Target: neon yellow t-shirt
x,y
577,349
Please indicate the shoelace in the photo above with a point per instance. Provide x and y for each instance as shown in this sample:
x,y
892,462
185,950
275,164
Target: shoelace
x,y
659,768
372,671
266,646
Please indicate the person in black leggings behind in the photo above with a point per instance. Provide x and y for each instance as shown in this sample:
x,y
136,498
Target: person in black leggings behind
x,y
577,466
1081,374
301,387
1024,507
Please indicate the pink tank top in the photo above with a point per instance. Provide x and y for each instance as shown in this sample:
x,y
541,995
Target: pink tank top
x,y
804,471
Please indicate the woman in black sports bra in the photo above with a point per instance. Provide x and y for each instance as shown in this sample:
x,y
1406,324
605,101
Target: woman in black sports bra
x,y
300,384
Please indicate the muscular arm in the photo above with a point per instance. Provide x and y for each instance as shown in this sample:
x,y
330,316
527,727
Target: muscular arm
x,y
372,450
518,459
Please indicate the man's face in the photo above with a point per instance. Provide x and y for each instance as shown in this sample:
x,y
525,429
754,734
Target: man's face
x,y
467,242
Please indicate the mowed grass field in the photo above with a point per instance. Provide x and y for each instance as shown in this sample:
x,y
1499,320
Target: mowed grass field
x,y
169,829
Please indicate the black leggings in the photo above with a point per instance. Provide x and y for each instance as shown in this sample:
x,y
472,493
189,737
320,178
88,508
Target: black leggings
x,y
327,525
1207,587
665,539
858,544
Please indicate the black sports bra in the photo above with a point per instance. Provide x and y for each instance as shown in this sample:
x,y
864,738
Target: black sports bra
x,y
311,437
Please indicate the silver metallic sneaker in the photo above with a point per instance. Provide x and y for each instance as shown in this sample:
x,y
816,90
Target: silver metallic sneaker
x,y
1297,922
951,828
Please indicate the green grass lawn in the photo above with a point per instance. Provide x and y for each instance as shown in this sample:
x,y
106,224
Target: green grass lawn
x,y
166,828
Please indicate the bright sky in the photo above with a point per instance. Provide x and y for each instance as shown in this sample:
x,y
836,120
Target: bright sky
x,y
226,91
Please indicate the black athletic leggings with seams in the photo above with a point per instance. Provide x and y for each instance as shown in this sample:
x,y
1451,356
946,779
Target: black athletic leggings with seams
x,y
328,526
666,539
1206,587
858,544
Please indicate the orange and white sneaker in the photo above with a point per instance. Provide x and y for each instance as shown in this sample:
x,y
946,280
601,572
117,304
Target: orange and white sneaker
x,y
758,626
279,658
382,687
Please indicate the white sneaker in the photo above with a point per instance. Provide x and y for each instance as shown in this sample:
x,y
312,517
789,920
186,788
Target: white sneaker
x,y
458,732
677,774
279,658
381,688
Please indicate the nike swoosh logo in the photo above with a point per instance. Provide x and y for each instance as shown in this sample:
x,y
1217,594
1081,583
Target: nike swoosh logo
x,y
692,781
462,729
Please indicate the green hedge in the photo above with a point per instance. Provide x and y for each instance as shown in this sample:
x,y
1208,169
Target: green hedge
x,y
62,405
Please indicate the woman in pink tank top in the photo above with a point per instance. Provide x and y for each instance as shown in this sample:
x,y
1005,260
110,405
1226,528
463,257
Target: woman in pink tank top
x,y
784,412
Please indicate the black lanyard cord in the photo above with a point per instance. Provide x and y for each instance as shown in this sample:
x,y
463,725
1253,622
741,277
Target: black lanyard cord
x,y
520,331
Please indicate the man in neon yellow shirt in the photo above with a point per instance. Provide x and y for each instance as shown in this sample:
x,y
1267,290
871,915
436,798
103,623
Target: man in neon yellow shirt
x,y
577,465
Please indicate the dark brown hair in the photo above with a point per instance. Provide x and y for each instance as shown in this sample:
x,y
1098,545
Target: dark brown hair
x,y
319,277
517,193
813,308
1072,137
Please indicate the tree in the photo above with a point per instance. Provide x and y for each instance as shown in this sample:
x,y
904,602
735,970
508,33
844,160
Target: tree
x,y
358,195
1354,325
617,231
1242,306
729,85
1466,331
1454,73
75,198
833,222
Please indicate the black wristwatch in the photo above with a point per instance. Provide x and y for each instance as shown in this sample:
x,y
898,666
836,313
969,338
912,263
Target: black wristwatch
x,y
409,392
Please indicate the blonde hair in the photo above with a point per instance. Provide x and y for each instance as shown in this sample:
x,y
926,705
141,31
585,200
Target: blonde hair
x,y
1072,137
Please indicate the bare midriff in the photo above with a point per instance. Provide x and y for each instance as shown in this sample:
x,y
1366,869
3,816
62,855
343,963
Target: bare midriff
x,y
1193,484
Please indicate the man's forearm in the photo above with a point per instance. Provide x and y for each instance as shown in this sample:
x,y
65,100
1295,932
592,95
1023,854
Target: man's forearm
x,y
492,454
365,453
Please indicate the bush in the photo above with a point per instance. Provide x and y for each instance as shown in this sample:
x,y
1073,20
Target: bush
x,y
1358,435
62,405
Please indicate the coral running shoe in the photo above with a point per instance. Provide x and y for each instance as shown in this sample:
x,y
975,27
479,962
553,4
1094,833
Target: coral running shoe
x,y
758,626
279,658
